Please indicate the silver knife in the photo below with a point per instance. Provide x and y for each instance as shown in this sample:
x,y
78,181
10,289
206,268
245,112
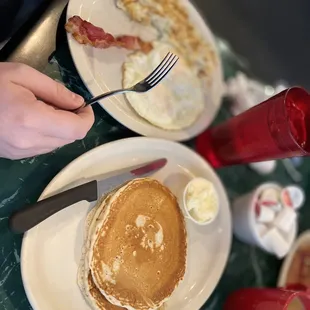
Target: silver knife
x,y
30,216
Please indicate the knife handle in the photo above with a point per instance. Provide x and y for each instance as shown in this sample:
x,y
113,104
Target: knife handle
x,y
30,216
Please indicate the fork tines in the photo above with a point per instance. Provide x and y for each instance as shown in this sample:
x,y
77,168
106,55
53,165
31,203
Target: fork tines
x,y
162,69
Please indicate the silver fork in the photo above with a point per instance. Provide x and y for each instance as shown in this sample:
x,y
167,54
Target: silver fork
x,y
145,85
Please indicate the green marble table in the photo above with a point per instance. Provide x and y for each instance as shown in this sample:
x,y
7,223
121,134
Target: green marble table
x,y
23,181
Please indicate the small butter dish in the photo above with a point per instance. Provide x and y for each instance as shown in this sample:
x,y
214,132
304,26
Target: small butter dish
x,y
200,201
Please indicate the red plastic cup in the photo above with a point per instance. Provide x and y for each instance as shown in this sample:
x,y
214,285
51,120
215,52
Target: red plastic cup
x,y
267,299
276,128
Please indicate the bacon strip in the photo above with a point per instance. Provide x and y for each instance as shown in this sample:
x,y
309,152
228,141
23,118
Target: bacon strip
x,y
86,33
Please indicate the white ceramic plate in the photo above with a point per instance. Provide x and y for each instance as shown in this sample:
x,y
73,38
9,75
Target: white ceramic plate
x,y
51,251
101,69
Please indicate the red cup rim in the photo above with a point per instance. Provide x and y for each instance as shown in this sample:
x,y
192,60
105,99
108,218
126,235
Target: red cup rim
x,y
287,117
287,297
302,294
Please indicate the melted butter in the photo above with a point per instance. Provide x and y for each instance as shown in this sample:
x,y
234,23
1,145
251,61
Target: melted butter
x,y
154,236
107,273
201,200
159,236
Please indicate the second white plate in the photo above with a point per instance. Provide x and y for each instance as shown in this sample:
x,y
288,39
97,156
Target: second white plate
x,y
101,70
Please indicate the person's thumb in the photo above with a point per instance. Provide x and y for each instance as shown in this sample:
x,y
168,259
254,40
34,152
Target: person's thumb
x,y
44,87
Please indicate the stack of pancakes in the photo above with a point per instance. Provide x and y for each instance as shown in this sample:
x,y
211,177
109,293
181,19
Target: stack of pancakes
x,y
134,253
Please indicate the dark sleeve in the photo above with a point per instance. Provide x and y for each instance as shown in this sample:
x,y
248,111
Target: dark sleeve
x,y
8,12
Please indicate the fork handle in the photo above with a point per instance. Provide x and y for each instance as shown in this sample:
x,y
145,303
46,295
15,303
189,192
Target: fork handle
x,y
105,95
102,96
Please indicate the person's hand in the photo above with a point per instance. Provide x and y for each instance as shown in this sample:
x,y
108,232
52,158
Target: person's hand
x,y
35,115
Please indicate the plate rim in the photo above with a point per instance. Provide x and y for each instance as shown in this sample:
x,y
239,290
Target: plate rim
x,y
202,301
148,130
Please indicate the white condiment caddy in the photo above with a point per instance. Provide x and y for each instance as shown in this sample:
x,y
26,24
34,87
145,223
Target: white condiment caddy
x,y
261,218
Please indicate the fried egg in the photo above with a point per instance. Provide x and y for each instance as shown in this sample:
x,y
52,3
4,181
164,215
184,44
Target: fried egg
x,y
173,104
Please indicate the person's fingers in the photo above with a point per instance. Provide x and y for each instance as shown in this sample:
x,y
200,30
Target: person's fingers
x,y
87,114
45,145
27,139
53,143
63,124
12,153
45,88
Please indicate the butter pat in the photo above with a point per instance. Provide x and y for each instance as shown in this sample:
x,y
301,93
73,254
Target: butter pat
x,y
201,200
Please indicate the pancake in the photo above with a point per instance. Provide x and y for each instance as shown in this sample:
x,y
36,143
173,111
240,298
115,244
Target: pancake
x,y
137,254
87,286
85,281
